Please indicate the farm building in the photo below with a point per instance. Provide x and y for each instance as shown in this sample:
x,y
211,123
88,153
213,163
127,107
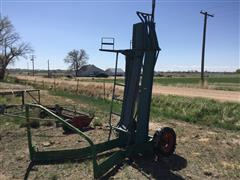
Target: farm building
x,y
91,71
111,72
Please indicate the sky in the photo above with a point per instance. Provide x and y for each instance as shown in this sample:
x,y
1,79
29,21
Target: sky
x,y
55,27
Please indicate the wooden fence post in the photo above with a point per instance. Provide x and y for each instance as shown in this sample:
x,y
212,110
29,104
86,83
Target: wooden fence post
x,y
26,82
54,83
77,85
104,90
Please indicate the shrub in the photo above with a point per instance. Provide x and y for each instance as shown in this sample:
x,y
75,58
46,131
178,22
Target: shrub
x,y
97,122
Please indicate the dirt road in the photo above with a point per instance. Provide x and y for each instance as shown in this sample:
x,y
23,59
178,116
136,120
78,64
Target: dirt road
x,y
232,96
220,95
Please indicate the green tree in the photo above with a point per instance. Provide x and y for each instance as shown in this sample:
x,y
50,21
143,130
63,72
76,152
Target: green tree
x,y
76,59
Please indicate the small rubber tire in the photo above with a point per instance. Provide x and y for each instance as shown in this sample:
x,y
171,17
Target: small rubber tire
x,y
164,142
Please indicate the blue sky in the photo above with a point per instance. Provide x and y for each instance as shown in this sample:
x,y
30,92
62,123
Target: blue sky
x,y
55,27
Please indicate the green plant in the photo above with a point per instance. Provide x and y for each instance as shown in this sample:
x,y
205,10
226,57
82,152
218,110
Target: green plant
x,y
97,122
195,110
53,177
91,112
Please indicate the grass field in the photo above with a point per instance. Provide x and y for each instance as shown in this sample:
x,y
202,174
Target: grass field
x,y
203,127
101,89
194,110
178,80
228,82
221,82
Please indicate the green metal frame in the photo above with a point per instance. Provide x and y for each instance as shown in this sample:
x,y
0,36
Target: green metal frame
x,y
4,109
41,157
23,93
134,119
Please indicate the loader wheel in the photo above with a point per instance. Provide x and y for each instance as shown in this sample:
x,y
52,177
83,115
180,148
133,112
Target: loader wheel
x,y
164,142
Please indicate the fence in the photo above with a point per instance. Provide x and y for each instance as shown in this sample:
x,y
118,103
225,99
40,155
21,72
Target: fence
x,y
94,89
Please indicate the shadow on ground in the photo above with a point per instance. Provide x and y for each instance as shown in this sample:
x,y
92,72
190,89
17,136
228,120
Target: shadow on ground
x,y
163,168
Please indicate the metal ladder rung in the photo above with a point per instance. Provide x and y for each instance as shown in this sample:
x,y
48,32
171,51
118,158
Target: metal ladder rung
x,y
116,114
119,84
104,43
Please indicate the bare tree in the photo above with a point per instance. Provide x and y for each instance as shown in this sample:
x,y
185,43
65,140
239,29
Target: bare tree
x,y
76,59
11,46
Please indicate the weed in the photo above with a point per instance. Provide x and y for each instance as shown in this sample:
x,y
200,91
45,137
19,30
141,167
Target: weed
x,y
197,110
53,177
97,122
91,112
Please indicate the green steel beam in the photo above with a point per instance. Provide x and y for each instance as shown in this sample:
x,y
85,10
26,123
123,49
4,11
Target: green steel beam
x,y
31,148
113,160
74,154
38,157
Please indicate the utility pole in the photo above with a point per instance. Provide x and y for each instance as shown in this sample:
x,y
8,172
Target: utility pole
x,y
27,68
48,69
206,15
32,59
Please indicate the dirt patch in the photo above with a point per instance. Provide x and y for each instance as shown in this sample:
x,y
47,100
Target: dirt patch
x,y
195,158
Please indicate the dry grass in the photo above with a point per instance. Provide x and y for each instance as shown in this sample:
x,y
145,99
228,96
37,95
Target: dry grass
x,y
101,89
